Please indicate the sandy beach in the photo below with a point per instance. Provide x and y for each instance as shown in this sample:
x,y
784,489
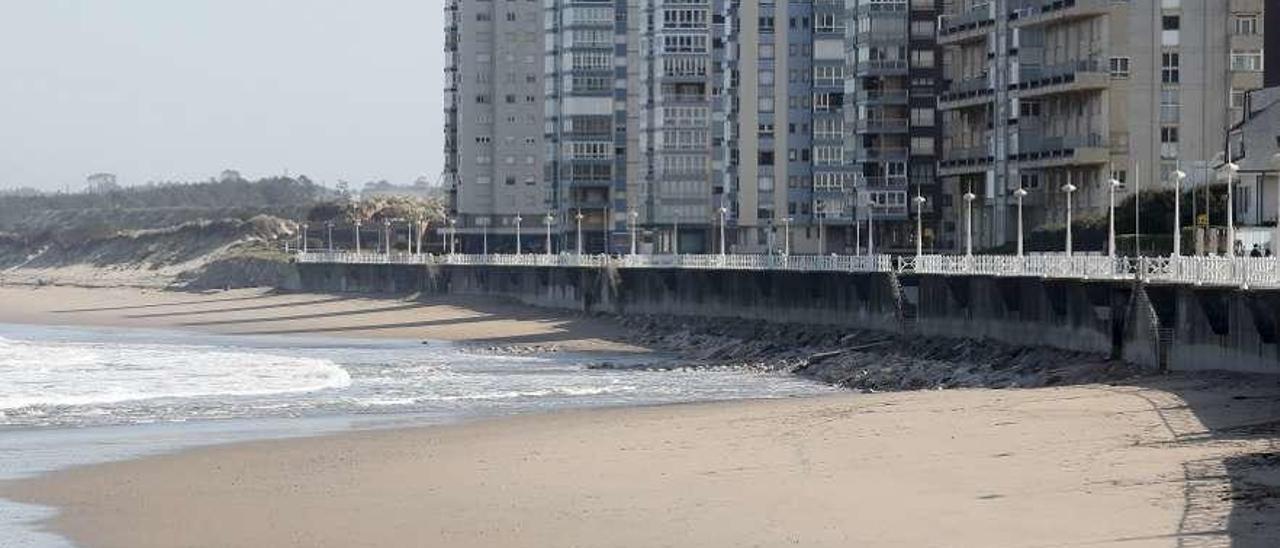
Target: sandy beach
x,y
1175,461
476,321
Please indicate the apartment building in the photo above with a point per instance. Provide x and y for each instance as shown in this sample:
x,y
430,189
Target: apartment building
x,y
893,77
1040,94
494,122
633,104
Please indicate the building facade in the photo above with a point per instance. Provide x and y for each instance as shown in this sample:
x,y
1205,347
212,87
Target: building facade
x,y
1042,94
494,150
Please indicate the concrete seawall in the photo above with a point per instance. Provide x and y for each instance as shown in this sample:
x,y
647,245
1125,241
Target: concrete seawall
x,y
1160,327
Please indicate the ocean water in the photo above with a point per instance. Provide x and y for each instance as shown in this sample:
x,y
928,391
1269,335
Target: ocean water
x,y
74,396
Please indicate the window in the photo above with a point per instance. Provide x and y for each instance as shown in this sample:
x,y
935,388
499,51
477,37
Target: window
x,y
1237,98
922,29
922,58
1170,22
1246,60
922,145
1246,24
1119,67
1170,65
1169,134
1028,109
1170,106
922,117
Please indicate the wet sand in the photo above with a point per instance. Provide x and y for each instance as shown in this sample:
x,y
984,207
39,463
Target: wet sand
x,y
1175,461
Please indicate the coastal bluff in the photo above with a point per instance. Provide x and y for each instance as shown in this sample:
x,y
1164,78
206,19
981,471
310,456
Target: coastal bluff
x,y
1156,327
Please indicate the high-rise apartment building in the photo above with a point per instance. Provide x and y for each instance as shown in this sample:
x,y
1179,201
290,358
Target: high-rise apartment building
x,y
893,79
1045,93
784,149
633,100
494,122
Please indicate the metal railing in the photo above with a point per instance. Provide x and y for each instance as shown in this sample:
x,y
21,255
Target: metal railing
x,y
1243,272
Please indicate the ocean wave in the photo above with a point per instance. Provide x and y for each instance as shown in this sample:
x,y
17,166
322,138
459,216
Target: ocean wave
x,y
57,374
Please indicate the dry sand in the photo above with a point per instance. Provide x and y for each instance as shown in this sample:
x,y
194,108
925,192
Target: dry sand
x,y
1172,462
477,321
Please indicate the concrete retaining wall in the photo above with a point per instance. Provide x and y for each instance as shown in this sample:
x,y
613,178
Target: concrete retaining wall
x,y
1211,329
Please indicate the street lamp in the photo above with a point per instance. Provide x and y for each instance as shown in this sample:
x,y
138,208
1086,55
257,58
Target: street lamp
x,y
1232,169
1069,189
1020,193
1111,233
819,210
969,197
578,218
519,220
675,235
919,200
453,235
386,231
484,235
786,236
1178,177
357,223
633,217
723,213
548,220
328,225
304,238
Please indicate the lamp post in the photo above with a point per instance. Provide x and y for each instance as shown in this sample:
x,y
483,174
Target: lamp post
x,y
357,223
578,217
1275,237
1178,177
1232,169
1020,193
723,213
871,226
675,235
819,210
969,197
519,220
1111,228
786,236
919,200
1069,189
453,236
548,219
386,231
304,238
328,225
484,235
633,218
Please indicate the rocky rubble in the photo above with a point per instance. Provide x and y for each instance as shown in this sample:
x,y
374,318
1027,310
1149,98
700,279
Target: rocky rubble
x,y
869,360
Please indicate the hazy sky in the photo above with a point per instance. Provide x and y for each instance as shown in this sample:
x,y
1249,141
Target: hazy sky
x,y
182,89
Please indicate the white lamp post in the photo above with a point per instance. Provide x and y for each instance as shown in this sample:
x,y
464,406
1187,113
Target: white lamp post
x,y
519,220
453,236
386,232
1178,177
919,200
328,225
969,197
633,217
723,213
484,235
1069,189
304,238
819,210
357,223
871,226
578,217
548,220
1232,169
675,236
786,236
1111,229
1020,193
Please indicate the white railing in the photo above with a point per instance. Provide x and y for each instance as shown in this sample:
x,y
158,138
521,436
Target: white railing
x,y
1215,271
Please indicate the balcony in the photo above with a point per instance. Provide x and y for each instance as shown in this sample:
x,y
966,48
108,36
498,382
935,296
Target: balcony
x,y
1045,12
966,94
882,67
883,97
965,160
881,125
881,154
1070,150
1071,77
966,27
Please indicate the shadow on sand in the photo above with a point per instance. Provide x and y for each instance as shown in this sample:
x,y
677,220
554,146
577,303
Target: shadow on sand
x,y
1232,500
